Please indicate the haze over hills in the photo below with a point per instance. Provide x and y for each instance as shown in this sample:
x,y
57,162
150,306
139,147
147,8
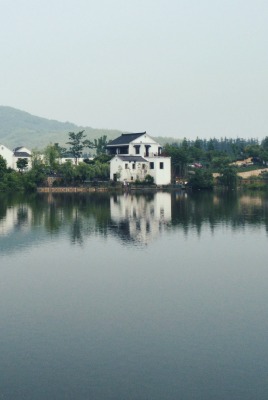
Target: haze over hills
x,y
20,128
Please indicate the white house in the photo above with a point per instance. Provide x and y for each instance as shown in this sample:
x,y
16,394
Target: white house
x,y
12,156
137,155
7,155
22,152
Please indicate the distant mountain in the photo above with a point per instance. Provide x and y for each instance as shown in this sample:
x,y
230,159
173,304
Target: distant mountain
x,y
19,128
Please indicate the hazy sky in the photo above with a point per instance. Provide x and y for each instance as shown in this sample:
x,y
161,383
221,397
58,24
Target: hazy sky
x,y
173,68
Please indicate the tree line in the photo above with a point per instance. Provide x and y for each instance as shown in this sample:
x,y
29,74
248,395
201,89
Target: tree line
x,y
195,161
48,163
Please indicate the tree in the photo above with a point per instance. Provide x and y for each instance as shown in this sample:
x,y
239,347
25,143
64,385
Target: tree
x,y
51,154
68,172
98,144
179,159
84,172
77,144
36,158
228,177
220,162
61,150
253,150
3,166
201,179
149,179
22,163
264,144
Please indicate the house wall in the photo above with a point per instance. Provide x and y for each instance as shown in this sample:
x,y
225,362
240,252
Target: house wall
x,y
130,174
137,170
7,155
142,141
162,176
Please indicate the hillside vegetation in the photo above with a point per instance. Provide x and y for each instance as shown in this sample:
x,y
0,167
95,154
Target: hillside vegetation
x,y
19,128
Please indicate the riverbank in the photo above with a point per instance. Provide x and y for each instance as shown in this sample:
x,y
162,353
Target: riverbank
x,y
87,189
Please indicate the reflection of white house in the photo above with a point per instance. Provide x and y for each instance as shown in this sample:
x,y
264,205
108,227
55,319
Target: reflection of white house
x,y
137,155
12,157
141,219
17,217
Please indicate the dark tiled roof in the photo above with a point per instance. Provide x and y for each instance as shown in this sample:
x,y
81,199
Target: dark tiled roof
x,y
21,154
132,158
125,138
17,148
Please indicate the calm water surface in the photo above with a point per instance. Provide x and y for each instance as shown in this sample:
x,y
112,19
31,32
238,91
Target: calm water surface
x,y
156,296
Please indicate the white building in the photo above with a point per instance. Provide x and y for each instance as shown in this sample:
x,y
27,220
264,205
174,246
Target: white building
x,y
137,155
12,156
7,155
22,152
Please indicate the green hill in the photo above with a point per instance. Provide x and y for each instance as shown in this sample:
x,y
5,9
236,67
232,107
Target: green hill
x,y
19,128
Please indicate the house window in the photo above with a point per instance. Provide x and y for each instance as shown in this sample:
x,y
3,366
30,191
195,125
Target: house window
x,y
133,166
137,149
161,165
143,166
126,166
151,165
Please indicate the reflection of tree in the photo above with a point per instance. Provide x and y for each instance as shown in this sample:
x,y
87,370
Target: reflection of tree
x,y
52,218
22,216
137,219
76,229
197,209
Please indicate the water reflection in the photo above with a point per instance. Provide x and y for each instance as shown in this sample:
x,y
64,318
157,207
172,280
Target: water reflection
x,y
213,209
140,218
130,217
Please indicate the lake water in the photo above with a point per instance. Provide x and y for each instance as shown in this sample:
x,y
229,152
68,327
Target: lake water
x,y
155,296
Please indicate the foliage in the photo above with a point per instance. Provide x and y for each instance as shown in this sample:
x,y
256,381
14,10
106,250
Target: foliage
x,y
257,185
201,179
16,123
51,156
228,177
102,158
3,166
148,180
22,163
67,173
36,157
76,143
35,177
11,180
98,144
179,159
220,162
